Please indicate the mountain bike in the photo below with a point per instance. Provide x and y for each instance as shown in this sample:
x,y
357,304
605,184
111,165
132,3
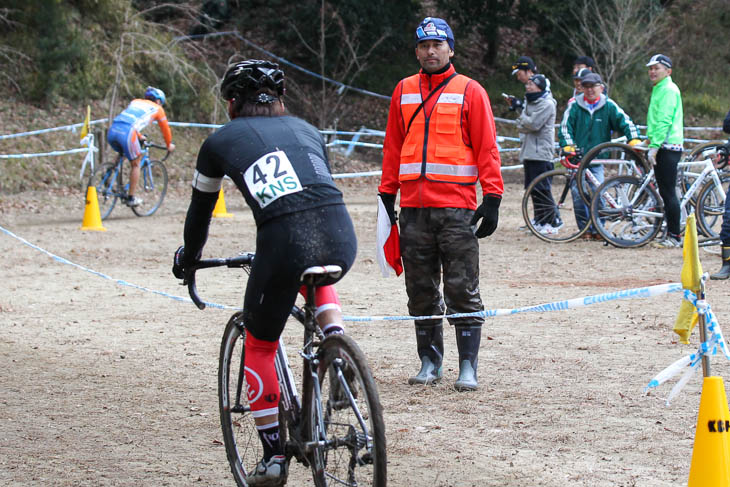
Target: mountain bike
x,y
335,427
541,206
109,180
628,212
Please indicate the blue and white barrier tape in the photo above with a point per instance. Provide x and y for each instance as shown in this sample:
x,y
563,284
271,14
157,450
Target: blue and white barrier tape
x,y
43,154
70,128
643,292
690,363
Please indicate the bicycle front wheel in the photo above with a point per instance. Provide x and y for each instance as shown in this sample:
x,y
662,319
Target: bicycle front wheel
x,y
606,161
346,419
626,213
241,439
551,211
151,188
711,207
105,180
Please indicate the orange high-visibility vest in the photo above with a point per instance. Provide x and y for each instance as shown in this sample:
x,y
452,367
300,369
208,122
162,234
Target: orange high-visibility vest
x,y
434,146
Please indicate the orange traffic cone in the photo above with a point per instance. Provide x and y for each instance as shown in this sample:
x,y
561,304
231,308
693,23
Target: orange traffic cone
x,y
220,207
92,217
711,452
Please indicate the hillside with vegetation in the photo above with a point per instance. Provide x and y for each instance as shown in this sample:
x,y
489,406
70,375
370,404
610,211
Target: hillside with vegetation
x,y
57,57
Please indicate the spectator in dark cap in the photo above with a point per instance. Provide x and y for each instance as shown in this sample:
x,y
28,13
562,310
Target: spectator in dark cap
x,y
537,137
589,120
665,131
577,77
440,141
524,68
583,62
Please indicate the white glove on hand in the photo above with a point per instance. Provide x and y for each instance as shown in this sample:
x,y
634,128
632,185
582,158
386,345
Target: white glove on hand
x,y
651,155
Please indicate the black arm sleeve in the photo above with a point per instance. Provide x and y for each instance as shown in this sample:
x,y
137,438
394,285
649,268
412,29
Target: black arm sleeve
x,y
726,123
197,222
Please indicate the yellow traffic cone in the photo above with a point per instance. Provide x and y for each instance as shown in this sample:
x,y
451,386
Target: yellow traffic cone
x,y
711,453
220,207
92,217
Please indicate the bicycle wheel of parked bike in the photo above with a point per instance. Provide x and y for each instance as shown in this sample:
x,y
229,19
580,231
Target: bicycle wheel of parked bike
x,y
350,438
711,207
625,213
607,161
151,188
550,213
243,447
105,179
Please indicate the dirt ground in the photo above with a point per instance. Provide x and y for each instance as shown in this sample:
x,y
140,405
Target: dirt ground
x,y
108,384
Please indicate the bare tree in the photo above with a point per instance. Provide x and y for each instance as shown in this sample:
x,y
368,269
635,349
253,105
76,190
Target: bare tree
x,y
614,32
350,61
11,60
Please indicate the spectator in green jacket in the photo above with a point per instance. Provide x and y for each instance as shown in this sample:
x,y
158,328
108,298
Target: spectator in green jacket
x,y
589,120
665,131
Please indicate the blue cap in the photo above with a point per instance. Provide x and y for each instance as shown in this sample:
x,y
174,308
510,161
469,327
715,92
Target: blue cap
x,y
435,28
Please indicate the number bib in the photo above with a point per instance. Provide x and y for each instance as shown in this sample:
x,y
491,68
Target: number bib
x,y
271,177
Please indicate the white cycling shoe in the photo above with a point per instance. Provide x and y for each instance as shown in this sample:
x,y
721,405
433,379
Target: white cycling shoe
x,y
269,474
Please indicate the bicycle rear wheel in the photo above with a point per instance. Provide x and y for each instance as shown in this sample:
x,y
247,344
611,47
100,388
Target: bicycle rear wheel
x,y
607,161
241,439
351,434
554,207
151,188
625,214
105,179
711,207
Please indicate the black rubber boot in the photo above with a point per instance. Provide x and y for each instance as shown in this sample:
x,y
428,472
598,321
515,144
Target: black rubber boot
x,y
430,343
725,270
468,339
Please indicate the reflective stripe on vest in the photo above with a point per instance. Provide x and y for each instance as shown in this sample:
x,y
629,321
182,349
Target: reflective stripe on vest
x,y
438,138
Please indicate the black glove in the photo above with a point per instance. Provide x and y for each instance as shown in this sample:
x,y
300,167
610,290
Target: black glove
x,y
515,104
389,203
488,212
177,266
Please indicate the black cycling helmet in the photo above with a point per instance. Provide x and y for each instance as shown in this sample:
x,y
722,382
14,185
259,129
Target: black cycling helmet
x,y
250,76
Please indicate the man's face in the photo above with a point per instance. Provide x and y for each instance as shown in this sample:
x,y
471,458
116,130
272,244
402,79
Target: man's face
x,y
658,72
433,54
531,87
524,75
578,87
592,91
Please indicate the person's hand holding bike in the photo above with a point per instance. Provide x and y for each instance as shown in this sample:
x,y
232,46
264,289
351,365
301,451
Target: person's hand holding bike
x,y
178,269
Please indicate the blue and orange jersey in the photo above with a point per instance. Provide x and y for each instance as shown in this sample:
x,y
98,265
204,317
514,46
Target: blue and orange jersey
x,y
140,113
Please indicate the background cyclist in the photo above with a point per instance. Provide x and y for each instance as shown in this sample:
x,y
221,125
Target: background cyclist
x,y
279,163
124,133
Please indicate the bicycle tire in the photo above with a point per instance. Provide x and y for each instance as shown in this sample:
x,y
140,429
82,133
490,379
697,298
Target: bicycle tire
x,y
240,437
707,150
536,207
348,455
105,179
613,157
624,217
711,207
151,188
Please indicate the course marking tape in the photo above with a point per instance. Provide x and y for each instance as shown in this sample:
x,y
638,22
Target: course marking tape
x,y
642,292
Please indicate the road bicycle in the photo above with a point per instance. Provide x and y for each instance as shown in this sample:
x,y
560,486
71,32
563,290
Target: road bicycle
x,y
627,211
111,182
556,205
335,427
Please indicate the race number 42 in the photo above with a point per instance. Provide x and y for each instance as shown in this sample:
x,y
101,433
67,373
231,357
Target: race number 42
x,y
271,177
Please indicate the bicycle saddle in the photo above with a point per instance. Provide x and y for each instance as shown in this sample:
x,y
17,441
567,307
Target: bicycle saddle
x,y
321,275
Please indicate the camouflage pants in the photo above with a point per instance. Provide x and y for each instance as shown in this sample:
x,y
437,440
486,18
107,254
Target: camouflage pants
x,y
434,240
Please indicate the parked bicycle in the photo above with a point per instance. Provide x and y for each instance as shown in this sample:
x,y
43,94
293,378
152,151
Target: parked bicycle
x,y
628,212
335,427
111,180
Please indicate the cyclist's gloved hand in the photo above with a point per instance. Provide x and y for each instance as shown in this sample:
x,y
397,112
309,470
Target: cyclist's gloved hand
x,y
171,147
651,155
389,203
488,212
634,142
515,104
569,150
177,267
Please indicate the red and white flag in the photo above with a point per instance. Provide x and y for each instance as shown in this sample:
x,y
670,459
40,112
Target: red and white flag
x,y
388,243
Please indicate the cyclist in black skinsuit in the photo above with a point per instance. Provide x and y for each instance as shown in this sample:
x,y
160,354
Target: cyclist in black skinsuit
x,y
279,162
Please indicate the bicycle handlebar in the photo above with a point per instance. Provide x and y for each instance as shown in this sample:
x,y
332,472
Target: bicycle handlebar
x,y
147,143
242,260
